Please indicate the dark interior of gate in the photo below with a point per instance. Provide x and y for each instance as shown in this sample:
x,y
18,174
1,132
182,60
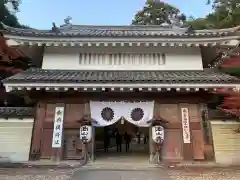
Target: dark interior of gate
x,y
121,140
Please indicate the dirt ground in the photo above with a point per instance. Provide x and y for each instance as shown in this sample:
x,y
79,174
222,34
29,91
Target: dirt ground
x,y
205,174
35,174
174,174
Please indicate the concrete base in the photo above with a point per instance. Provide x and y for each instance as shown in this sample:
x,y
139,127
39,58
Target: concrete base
x,y
228,159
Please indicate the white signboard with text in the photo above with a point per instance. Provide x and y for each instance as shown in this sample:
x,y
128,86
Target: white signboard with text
x,y
86,133
185,126
157,131
58,127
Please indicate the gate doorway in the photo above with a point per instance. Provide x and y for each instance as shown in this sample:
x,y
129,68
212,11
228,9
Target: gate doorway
x,y
121,141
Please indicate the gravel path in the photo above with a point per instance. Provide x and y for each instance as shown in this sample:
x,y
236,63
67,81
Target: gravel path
x,y
206,174
35,174
70,174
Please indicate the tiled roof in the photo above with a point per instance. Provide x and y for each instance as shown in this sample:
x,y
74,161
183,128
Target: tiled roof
x,y
218,114
119,31
16,112
35,75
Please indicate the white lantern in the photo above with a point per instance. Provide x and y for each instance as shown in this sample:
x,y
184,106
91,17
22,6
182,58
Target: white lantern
x,y
86,133
157,132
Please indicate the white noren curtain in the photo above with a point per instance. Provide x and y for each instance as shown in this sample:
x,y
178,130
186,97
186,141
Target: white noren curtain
x,y
142,110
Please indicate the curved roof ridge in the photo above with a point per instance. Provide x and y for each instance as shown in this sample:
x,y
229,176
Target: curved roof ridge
x,y
123,27
233,29
100,27
9,28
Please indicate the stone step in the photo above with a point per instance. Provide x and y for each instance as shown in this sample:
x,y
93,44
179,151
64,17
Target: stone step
x,y
121,166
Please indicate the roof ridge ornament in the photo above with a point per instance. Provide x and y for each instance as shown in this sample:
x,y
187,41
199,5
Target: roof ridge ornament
x,y
175,21
190,29
55,29
67,23
67,20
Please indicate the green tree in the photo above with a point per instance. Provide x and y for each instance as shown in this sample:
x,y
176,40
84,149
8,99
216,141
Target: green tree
x,y
156,12
200,23
11,59
6,16
226,15
14,3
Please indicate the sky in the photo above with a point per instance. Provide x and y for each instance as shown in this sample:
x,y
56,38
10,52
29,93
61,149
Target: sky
x,y
41,13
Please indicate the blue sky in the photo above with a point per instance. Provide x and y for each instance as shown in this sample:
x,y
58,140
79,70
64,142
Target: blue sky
x,y
41,13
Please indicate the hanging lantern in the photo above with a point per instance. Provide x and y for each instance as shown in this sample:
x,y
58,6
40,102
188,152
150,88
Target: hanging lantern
x,y
122,120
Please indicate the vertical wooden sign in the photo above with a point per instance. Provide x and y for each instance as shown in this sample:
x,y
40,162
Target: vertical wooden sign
x,y
58,127
185,126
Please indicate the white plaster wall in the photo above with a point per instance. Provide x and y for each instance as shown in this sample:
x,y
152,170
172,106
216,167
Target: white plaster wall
x,y
226,142
15,139
177,58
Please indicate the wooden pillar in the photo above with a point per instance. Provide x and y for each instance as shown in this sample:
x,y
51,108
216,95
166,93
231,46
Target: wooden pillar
x,y
150,145
187,152
37,131
197,135
90,146
93,143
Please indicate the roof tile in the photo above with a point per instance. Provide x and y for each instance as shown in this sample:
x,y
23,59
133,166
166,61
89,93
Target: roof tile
x,y
120,31
35,75
16,112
